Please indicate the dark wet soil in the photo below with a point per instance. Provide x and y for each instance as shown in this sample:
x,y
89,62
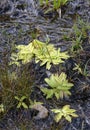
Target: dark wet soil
x,y
20,23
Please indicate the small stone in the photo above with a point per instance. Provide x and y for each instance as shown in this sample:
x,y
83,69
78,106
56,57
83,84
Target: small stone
x,y
43,112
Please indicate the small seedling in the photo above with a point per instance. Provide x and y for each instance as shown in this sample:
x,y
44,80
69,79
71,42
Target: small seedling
x,y
80,70
77,44
65,112
21,102
77,67
1,108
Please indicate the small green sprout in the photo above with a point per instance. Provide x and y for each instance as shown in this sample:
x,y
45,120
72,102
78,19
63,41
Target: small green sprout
x,y
1,108
77,67
65,112
77,44
82,71
21,102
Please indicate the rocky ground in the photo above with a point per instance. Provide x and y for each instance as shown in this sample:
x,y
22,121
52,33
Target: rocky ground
x,y
21,22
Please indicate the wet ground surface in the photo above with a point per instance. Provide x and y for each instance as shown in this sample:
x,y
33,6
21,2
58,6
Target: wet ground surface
x,y
20,23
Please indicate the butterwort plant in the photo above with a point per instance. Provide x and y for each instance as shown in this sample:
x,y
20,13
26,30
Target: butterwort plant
x,y
44,53
59,86
65,112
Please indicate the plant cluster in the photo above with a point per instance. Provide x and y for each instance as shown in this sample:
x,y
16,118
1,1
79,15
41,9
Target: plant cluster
x,y
47,55
43,53
18,89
